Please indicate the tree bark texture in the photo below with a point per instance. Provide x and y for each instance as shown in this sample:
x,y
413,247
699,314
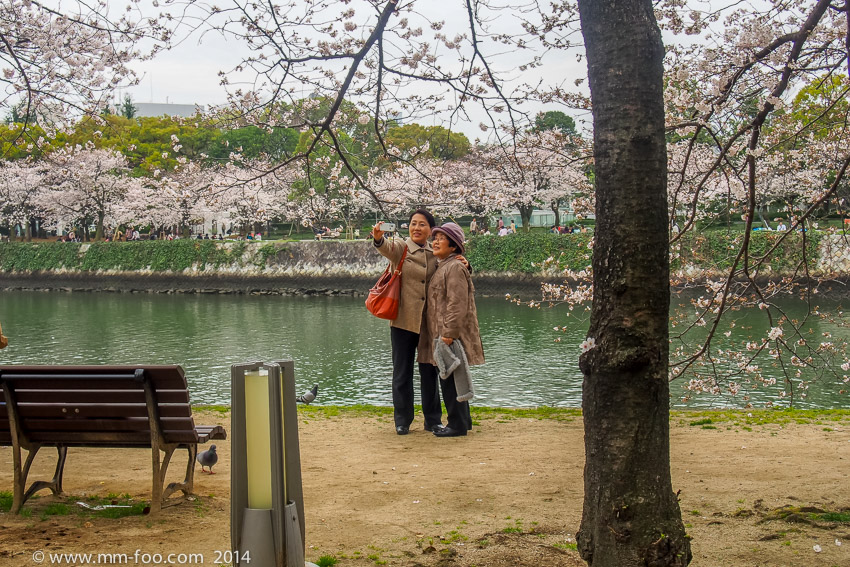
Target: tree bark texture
x,y
631,516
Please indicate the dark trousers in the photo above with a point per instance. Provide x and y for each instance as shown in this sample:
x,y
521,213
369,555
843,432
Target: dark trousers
x,y
404,356
459,417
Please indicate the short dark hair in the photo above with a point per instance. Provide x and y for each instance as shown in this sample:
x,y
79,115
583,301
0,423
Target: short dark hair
x,y
428,216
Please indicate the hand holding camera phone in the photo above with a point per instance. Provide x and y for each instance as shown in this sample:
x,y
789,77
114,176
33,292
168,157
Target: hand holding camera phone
x,y
387,227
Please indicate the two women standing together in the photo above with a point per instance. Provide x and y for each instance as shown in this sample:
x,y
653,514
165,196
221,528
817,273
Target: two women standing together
x,y
437,302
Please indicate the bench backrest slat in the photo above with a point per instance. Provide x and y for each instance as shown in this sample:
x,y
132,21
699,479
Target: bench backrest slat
x,y
124,424
76,411
98,396
100,405
104,438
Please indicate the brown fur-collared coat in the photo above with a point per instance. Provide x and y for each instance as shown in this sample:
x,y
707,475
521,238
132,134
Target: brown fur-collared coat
x,y
451,311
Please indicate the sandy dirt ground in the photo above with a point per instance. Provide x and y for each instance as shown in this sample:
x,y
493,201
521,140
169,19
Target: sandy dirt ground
x,y
509,494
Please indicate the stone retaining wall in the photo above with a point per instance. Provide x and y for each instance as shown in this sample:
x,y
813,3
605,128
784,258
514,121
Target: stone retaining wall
x,y
310,268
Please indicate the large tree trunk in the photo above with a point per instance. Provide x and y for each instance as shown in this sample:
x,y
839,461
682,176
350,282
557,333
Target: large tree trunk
x,y
631,516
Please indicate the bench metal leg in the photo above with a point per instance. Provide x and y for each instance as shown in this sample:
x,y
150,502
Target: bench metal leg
x,y
21,473
188,483
160,493
159,471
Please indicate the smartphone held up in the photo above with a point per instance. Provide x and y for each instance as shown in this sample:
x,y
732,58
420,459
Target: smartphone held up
x,y
387,226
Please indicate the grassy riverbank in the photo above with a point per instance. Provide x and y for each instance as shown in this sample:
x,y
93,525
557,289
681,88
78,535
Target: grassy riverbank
x,y
695,417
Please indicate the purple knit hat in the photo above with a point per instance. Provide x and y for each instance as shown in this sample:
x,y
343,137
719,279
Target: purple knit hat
x,y
453,231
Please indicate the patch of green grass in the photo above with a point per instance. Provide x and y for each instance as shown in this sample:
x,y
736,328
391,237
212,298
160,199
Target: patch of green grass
x,y
453,537
558,414
567,546
754,417
56,509
215,408
842,517
744,419
326,561
695,513
357,410
6,499
514,529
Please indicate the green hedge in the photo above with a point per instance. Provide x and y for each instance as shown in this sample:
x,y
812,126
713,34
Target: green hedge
x,y
518,253
527,252
156,255
718,249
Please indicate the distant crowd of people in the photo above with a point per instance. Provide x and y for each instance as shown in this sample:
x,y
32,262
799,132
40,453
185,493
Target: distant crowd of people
x,y
132,234
504,229
574,229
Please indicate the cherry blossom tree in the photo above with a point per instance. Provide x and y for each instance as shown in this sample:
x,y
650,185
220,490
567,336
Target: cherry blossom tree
x,y
540,170
87,186
172,199
21,182
247,199
444,187
744,130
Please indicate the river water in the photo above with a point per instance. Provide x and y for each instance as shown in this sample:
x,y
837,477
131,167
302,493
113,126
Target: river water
x,y
333,341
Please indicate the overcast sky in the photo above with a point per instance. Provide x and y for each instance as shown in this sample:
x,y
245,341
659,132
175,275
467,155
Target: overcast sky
x,y
188,74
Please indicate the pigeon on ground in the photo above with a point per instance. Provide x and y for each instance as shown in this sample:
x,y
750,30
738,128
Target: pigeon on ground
x,y
309,395
208,458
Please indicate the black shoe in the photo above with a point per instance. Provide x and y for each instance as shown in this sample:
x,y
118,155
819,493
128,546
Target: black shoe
x,y
433,428
449,432
402,429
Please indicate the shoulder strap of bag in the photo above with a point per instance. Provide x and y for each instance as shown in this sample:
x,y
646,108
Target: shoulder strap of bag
x,y
400,262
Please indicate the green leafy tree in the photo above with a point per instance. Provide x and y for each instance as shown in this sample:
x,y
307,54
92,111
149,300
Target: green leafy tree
x,y
442,143
128,109
252,142
554,120
19,141
150,144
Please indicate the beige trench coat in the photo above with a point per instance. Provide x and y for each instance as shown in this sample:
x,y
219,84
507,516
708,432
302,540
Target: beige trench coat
x,y
417,270
451,311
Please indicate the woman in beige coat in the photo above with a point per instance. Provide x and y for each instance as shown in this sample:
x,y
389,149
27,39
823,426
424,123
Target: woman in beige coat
x,y
405,330
452,316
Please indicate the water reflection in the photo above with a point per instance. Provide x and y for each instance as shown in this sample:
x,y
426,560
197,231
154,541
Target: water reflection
x,y
333,341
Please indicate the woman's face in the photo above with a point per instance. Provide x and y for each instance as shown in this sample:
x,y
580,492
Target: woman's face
x,y
420,230
442,246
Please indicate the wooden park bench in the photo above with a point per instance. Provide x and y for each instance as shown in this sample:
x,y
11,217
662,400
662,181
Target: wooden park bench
x,y
99,406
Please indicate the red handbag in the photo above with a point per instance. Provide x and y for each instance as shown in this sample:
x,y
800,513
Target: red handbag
x,y
383,298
